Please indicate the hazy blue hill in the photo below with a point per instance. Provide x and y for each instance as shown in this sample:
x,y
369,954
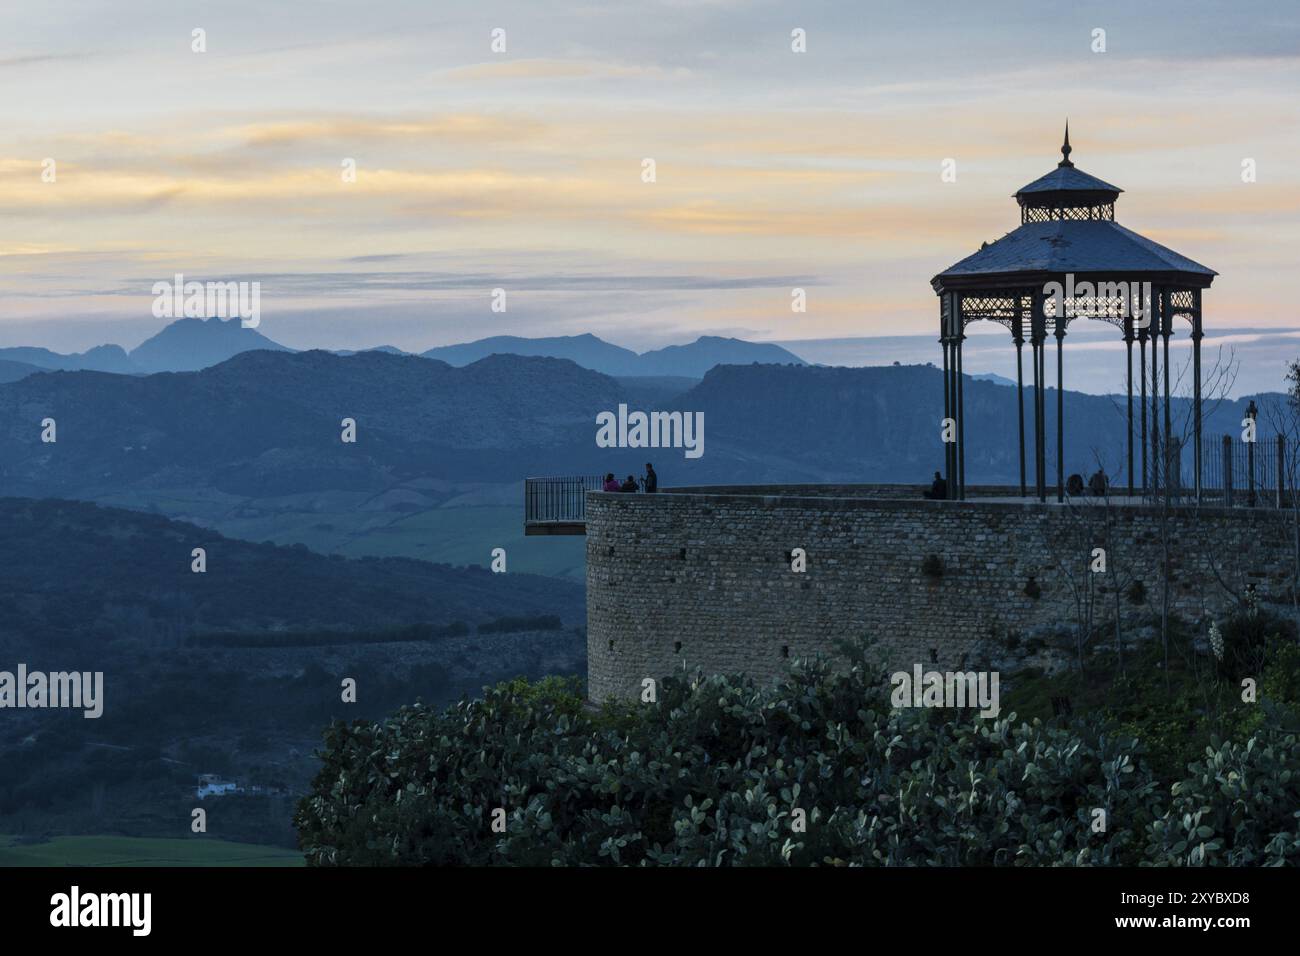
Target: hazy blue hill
x,y
502,402
267,423
13,371
644,391
187,345
786,423
123,573
806,423
675,361
995,378
251,447
390,349
585,350
102,358
707,351
106,358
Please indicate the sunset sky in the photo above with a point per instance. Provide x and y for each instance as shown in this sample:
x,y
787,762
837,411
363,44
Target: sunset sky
x,y
522,169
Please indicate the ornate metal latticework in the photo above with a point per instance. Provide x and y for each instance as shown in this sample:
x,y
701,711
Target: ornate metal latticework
x,y
1113,309
1100,212
999,309
1183,305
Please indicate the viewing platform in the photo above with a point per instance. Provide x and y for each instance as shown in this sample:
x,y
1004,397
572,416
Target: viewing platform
x,y
558,505
1238,477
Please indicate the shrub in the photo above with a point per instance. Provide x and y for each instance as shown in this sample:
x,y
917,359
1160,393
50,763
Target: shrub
x,y
1237,808
1247,638
713,774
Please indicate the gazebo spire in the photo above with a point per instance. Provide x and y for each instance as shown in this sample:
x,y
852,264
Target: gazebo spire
x,y
1067,192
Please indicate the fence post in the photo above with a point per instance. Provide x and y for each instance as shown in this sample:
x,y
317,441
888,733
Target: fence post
x,y
1281,467
1250,478
1227,471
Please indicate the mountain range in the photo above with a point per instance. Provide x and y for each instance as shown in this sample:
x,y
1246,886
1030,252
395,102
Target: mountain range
x,y
188,345
268,423
689,361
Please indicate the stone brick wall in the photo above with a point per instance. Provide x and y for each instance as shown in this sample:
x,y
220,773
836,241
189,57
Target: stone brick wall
x,y
693,578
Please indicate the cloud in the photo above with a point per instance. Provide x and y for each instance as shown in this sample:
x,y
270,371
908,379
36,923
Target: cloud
x,y
358,131
559,69
36,59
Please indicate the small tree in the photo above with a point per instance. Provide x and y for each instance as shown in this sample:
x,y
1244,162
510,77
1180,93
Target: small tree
x,y
1283,418
1214,391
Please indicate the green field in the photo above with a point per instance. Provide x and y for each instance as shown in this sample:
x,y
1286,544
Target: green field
x,y
330,523
142,851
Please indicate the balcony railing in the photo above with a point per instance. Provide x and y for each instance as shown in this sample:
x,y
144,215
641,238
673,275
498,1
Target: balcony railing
x,y
558,505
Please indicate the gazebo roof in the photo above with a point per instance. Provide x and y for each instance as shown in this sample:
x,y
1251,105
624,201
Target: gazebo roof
x,y
1066,185
1068,179
1068,226
1080,246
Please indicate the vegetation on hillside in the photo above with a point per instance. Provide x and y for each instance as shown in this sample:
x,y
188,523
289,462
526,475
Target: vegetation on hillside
x,y
817,770
233,671
127,577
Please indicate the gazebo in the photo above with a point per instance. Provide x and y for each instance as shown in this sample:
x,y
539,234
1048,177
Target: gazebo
x,y
1070,259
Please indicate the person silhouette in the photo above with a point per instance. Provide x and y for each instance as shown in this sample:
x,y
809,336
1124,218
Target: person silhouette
x,y
938,487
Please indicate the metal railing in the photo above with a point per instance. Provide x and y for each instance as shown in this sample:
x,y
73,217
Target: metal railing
x,y
558,500
1246,474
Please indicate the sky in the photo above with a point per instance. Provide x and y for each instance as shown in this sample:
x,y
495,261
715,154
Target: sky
x,y
524,169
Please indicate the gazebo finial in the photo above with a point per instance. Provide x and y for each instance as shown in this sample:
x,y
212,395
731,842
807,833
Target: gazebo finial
x,y
1065,147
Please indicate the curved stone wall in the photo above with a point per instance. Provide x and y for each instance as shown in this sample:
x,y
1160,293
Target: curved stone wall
x,y
702,577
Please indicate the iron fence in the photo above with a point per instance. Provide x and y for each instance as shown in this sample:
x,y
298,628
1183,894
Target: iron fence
x,y
1241,474
558,500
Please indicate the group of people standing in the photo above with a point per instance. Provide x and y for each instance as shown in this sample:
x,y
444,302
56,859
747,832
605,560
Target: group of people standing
x,y
649,483
1098,485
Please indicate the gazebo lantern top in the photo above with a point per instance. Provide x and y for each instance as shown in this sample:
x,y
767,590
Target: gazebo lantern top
x,y
1067,192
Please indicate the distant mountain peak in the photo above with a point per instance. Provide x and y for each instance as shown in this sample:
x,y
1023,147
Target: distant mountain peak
x,y
187,345
101,358
708,351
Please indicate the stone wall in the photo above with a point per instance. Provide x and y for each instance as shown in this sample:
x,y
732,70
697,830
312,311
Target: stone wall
x,y
694,578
